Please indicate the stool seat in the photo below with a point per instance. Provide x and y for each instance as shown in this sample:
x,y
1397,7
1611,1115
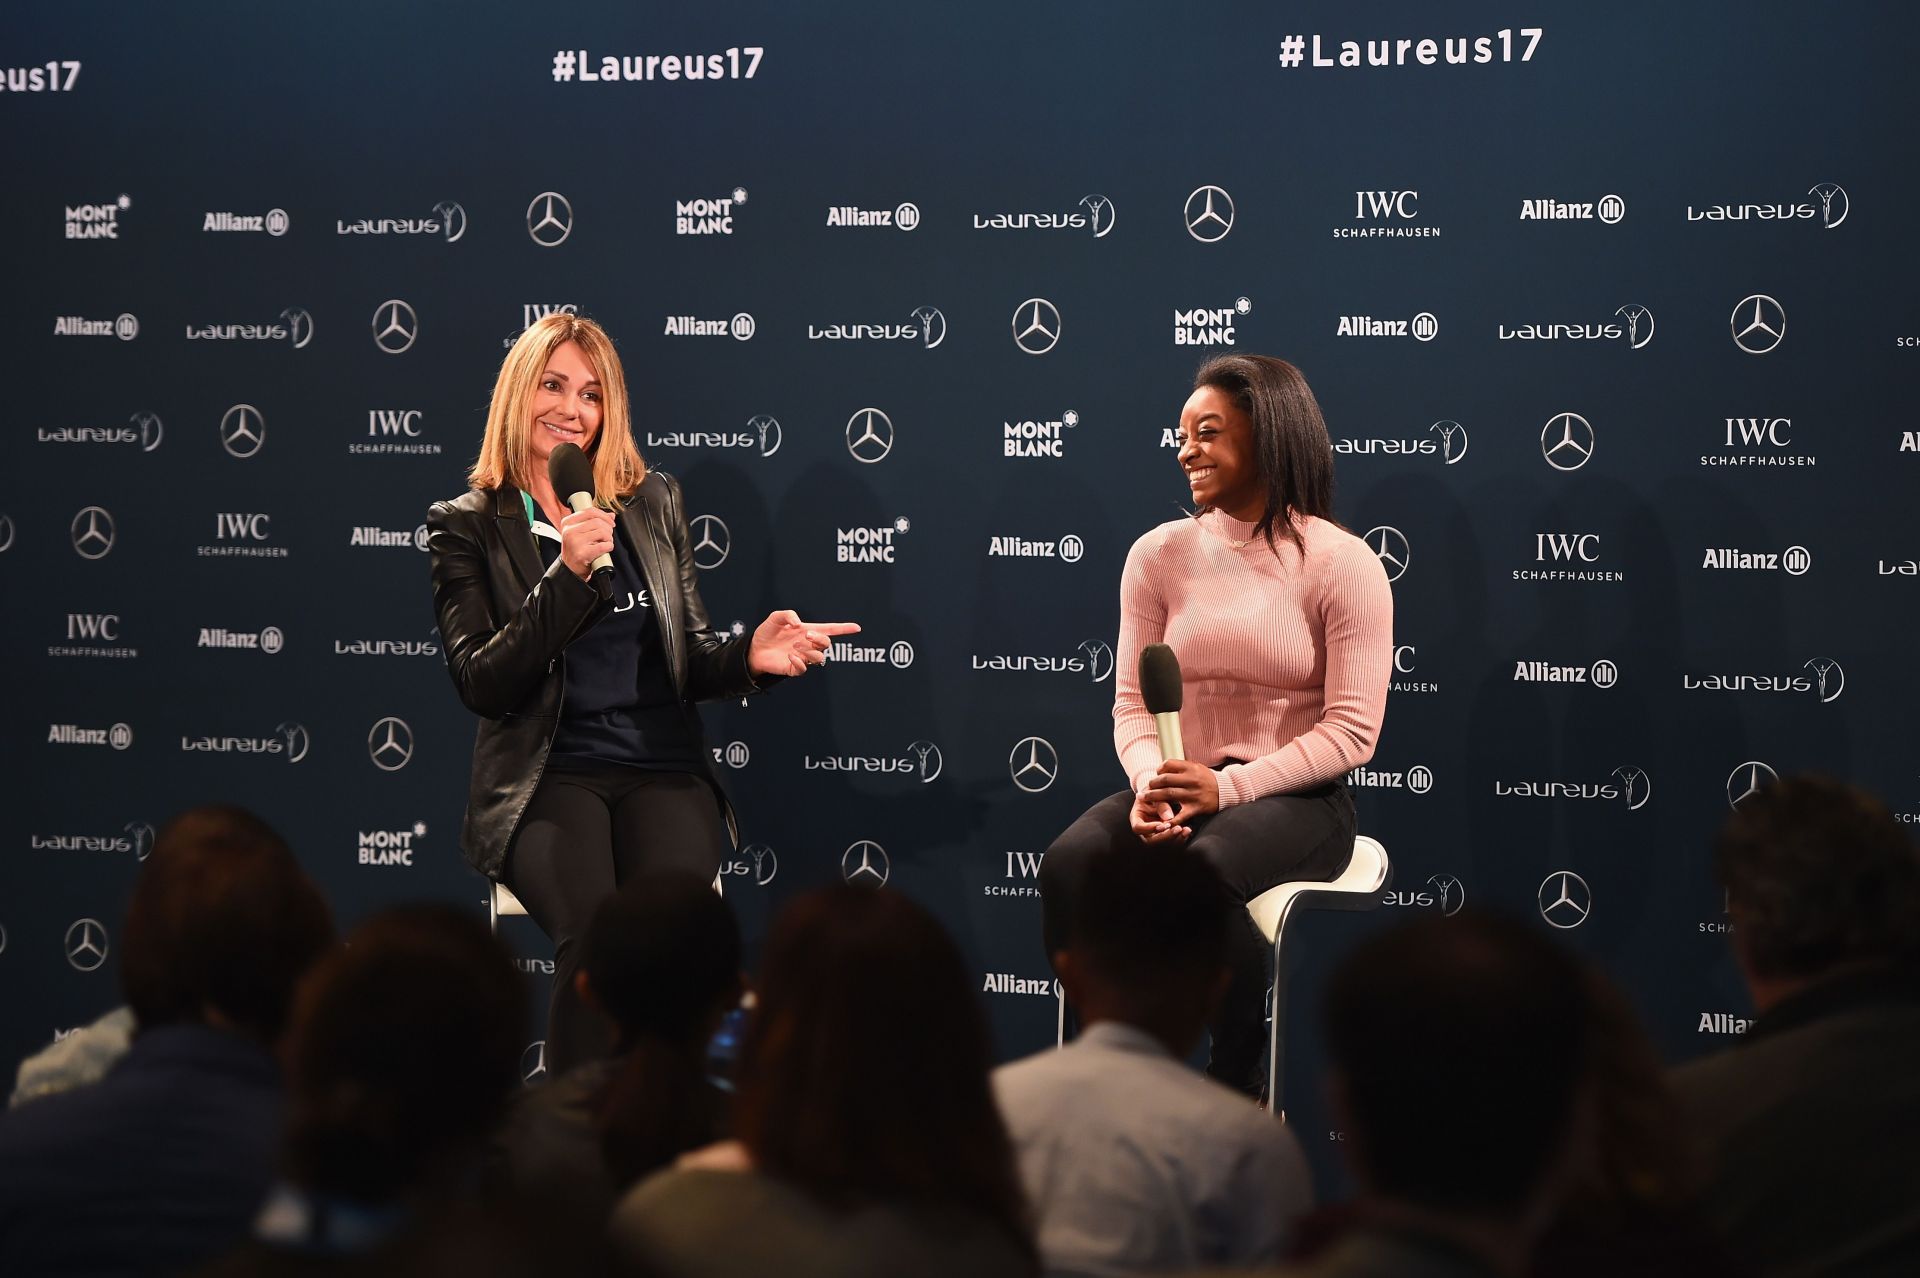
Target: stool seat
x,y
1356,888
502,903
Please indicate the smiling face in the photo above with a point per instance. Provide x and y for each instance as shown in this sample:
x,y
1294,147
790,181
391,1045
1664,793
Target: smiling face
x,y
1216,452
566,404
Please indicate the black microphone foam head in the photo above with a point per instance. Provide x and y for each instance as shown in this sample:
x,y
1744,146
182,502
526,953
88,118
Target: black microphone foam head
x,y
570,471
1159,679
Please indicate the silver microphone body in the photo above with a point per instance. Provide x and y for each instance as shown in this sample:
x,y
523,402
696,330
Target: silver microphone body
x,y
1166,726
602,562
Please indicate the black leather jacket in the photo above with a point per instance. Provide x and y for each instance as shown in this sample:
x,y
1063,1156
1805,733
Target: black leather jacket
x,y
505,622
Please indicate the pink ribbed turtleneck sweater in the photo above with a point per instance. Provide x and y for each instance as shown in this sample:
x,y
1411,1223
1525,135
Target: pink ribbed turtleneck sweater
x,y
1284,661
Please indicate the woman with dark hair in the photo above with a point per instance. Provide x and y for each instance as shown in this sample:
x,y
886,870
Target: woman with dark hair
x,y
1283,623
867,1141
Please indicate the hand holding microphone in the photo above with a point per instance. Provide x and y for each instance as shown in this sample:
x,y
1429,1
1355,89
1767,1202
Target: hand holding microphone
x,y
1181,788
586,536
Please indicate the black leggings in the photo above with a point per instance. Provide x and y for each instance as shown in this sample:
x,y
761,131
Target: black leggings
x,y
586,831
1282,838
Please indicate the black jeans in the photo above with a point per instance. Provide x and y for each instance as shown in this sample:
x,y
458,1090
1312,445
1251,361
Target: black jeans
x,y
1282,838
586,831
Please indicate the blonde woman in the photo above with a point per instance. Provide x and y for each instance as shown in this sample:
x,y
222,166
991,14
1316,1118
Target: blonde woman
x,y
589,765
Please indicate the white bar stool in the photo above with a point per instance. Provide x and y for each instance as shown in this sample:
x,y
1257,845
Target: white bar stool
x,y
502,903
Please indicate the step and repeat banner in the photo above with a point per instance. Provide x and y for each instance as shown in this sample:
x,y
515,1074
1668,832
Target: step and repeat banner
x,y
1610,311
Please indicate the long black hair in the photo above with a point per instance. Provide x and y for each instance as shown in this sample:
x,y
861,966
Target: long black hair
x,y
1292,454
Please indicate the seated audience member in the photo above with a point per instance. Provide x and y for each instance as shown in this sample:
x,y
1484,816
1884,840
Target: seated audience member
x,y
162,1163
1133,1161
1457,1048
404,1047
661,959
1813,1119
867,1139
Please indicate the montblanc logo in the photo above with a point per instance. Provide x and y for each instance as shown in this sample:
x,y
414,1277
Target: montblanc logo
x,y
761,434
1608,208
707,215
1415,780
1386,214
1567,556
124,326
1442,892
268,639
393,432
1762,441
144,429
390,847
1093,213
740,326
93,634
1821,676
289,741
428,647
755,861
273,222
1631,324
1008,983
447,220
1445,439
1422,327
242,535
1067,549
869,545
119,736
904,217
925,325
1093,659
1208,214
1824,202
1037,436
1601,674
921,761
96,221
294,326
1628,785
898,654
135,837
414,538
1210,325
1795,561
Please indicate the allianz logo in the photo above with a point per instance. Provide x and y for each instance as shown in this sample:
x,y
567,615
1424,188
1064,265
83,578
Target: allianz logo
x,y
1008,983
1417,779
268,639
1094,659
1822,676
1631,785
1423,327
898,654
1601,674
1794,560
414,538
1067,549
119,736
1723,1023
390,847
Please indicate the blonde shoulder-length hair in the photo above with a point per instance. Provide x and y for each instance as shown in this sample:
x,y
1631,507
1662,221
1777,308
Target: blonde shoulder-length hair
x,y
506,450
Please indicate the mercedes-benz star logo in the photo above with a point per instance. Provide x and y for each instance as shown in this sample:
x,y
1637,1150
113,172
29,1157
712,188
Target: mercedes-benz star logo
x,y
1566,441
933,325
1758,324
1100,214
1034,764
1453,440
86,944
390,744
865,863
1036,326
299,325
549,219
243,431
869,435
92,531
1391,549
1747,780
1209,214
711,541
394,326
453,219
1565,899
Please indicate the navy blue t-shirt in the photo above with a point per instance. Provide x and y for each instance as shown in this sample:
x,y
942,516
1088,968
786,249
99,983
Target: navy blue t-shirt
x,y
619,704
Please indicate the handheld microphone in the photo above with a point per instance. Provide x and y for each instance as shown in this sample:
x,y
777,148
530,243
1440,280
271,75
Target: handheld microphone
x,y
572,477
1161,691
